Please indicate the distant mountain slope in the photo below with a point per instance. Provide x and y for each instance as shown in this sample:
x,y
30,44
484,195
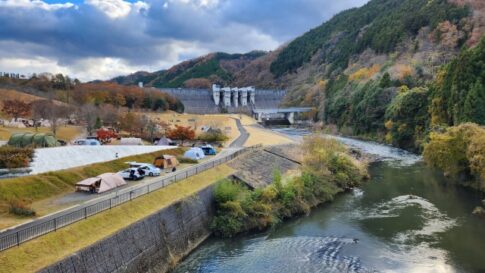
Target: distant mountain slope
x,y
197,73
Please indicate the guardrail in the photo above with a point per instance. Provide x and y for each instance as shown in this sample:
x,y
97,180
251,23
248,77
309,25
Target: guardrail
x,y
15,238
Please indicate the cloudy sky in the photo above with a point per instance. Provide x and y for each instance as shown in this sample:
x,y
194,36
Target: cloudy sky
x,y
100,39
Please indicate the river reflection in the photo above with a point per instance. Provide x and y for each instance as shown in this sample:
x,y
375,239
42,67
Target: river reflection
x,y
407,218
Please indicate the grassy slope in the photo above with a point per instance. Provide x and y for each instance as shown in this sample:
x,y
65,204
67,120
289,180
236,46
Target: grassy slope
x,y
43,186
41,252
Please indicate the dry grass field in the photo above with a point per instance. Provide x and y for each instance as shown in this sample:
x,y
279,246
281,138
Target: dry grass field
x,y
224,122
259,135
8,94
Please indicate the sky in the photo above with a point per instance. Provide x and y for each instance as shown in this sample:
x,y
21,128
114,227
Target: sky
x,y
101,39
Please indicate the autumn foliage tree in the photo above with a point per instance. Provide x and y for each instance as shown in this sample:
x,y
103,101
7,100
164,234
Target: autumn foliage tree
x,y
125,96
181,133
16,108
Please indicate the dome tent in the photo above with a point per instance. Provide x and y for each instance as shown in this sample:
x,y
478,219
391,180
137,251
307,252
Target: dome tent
x,y
194,153
32,140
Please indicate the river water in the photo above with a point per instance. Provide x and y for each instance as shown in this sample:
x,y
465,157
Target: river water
x,y
407,218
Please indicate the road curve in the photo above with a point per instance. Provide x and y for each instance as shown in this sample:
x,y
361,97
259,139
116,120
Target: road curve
x,y
244,135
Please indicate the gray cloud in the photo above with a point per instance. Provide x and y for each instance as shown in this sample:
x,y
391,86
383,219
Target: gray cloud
x,y
100,39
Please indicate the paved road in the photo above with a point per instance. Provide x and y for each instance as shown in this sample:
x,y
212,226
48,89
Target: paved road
x,y
244,135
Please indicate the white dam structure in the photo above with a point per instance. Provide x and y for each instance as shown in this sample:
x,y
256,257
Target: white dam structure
x,y
262,104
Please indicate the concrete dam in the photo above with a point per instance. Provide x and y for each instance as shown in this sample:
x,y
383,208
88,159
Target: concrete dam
x,y
262,104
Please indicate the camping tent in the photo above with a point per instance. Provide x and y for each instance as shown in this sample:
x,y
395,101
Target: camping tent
x,y
35,140
131,141
166,162
101,183
194,153
164,141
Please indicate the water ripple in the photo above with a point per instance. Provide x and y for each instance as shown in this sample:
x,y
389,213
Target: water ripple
x,y
297,254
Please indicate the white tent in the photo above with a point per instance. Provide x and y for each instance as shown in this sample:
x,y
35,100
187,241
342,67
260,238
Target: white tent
x,y
131,141
101,183
164,141
194,153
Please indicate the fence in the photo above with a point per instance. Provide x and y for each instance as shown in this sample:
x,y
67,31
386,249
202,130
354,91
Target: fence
x,y
41,227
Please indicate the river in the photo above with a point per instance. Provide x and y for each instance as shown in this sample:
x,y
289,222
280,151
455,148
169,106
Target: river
x,y
407,218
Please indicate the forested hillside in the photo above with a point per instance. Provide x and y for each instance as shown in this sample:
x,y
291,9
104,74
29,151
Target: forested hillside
x,y
391,70
196,73
380,25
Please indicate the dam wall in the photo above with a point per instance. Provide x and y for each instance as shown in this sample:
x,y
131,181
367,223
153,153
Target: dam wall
x,y
154,244
201,101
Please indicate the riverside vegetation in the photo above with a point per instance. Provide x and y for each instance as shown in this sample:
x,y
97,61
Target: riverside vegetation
x,y
328,169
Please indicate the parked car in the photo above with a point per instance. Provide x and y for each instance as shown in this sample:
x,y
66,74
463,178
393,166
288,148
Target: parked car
x,y
132,174
208,150
149,169
87,142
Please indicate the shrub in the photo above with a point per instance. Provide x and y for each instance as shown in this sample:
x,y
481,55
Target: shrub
x,y
226,191
187,160
213,136
21,208
13,157
459,151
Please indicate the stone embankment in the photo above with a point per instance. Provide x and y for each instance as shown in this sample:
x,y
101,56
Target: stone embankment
x,y
154,244
256,167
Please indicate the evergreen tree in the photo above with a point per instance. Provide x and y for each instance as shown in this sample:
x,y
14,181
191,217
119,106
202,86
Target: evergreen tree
x,y
385,81
474,109
98,124
147,102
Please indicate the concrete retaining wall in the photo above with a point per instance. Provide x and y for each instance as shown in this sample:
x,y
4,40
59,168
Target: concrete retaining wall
x,y
154,244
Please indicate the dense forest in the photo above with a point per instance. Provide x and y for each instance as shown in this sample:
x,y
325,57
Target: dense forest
x,y
380,25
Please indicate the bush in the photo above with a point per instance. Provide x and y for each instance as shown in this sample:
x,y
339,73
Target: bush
x,y
13,157
186,160
459,152
226,191
213,136
21,208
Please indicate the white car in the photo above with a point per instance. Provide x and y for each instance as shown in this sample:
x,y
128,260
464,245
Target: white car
x,y
132,174
147,168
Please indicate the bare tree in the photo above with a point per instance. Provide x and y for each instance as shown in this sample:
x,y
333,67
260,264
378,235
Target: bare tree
x,y
88,113
47,109
110,115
